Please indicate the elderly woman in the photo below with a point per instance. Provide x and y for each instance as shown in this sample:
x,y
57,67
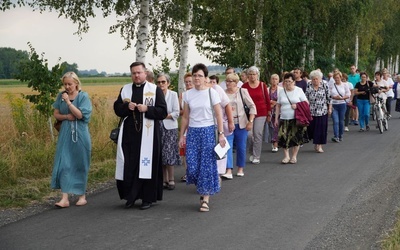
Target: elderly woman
x,y
362,91
273,96
340,92
169,132
238,97
290,135
198,120
389,93
259,93
319,98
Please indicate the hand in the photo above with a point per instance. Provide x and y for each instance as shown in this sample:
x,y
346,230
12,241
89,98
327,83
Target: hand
x,y
294,106
231,126
182,141
65,96
222,141
132,106
249,126
142,108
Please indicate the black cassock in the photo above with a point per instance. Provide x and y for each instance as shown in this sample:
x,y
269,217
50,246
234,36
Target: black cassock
x,y
133,188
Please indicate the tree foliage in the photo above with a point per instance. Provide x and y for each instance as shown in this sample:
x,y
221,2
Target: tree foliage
x,y
9,61
46,82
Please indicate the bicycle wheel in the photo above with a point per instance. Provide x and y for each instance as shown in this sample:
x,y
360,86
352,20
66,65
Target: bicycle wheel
x,y
385,123
380,126
374,113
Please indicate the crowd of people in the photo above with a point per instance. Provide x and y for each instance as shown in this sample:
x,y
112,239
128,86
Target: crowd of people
x,y
241,112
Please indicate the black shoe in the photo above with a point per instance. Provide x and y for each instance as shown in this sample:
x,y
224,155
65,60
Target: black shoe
x,y
145,205
129,203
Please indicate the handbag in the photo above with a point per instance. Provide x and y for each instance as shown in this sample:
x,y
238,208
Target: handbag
x,y
215,131
57,125
245,107
115,132
297,115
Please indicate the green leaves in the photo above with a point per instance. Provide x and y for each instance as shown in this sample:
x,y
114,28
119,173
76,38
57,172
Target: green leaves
x,y
46,83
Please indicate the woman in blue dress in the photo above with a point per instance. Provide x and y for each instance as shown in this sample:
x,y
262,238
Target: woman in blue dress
x,y
72,159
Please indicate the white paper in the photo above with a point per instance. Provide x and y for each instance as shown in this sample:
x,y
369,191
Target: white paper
x,y
221,151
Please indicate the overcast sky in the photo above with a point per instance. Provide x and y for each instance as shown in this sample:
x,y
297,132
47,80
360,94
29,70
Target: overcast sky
x,y
55,37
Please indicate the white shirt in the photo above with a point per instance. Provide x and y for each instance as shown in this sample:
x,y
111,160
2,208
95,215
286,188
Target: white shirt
x,y
295,96
201,114
390,83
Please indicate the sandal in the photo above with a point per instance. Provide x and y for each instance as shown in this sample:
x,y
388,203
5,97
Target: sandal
x,y
293,161
285,160
171,186
204,206
320,150
165,185
183,178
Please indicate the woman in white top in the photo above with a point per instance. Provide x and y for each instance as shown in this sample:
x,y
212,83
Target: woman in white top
x,y
290,135
198,119
340,92
169,132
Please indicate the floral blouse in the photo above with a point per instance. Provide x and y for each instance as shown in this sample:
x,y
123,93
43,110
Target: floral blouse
x,y
318,99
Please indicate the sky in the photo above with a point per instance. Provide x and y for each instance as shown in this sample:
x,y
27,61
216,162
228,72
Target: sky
x,y
97,49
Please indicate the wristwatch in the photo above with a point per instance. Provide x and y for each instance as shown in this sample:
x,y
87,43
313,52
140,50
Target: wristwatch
x,y
220,133
251,121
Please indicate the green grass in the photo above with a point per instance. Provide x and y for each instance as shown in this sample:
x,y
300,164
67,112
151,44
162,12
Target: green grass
x,y
88,81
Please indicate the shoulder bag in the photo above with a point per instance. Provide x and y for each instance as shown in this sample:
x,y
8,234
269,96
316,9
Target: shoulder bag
x,y
115,132
245,107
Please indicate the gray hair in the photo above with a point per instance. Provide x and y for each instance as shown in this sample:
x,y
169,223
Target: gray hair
x,y
253,69
165,75
315,73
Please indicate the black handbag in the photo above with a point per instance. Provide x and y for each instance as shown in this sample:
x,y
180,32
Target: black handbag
x,y
115,132
245,107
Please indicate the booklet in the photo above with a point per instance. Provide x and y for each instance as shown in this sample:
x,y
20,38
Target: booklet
x,y
221,151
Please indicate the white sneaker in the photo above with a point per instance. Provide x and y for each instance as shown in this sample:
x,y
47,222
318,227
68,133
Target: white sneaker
x,y
346,129
274,150
240,174
227,176
256,161
251,158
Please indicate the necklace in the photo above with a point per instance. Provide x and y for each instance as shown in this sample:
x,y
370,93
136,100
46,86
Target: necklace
x,y
137,123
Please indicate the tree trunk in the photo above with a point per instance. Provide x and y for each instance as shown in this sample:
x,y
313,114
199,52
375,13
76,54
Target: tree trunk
x,y
259,32
396,67
311,56
143,31
333,55
356,53
303,59
377,64
185,46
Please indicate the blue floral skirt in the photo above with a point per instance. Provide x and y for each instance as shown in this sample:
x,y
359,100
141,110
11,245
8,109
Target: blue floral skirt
x,y
200,160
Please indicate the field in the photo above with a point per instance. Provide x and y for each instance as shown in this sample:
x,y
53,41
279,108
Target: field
x,y
27,147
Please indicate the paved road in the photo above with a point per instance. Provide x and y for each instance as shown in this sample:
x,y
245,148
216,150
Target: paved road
x,y
345,198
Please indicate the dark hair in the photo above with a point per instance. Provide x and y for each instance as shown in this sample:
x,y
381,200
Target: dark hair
x,y
214,77
345,76
378,73
304,74
228,68
288,75
363,73
202,67
134,64
297,68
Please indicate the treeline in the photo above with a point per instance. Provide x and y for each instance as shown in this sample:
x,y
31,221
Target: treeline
x,y
11,60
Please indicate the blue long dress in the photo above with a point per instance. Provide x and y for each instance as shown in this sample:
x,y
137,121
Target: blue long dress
x,y
72,159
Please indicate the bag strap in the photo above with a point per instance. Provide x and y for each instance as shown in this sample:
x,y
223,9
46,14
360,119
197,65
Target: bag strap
x,y
337,90
287,96
213,112
241,97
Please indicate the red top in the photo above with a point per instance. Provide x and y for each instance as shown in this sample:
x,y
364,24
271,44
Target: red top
x,y
260,99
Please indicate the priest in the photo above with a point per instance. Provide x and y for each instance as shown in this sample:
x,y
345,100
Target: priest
x,y
139,168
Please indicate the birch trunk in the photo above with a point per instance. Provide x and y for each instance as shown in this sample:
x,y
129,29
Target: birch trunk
x,y
356,53
143,32
311,56
377,64
185,46
259,32
303,60
396,67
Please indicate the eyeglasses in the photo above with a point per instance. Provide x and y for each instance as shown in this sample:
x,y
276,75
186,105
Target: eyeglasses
x,y
288,81
197,75
161,82
229,81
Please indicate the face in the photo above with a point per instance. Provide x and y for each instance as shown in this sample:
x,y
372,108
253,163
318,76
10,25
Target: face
x,y
243,77
274,80
337,78
138,74
229,71
353,69
70,85
213,81
315,81
162,83
289,83
231,84
363,78
297,73
188,83
378,77
252,76
198,78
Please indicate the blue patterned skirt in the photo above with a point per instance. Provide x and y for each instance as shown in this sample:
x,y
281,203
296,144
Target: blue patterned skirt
x,y
200,159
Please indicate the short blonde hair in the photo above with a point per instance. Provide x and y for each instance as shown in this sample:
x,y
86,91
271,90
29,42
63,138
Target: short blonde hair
x,y
233,77
74,77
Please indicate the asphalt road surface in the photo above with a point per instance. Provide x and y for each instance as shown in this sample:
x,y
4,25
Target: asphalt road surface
x,y
345,198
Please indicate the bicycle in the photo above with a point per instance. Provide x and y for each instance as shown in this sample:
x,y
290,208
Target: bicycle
x,y
380,113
